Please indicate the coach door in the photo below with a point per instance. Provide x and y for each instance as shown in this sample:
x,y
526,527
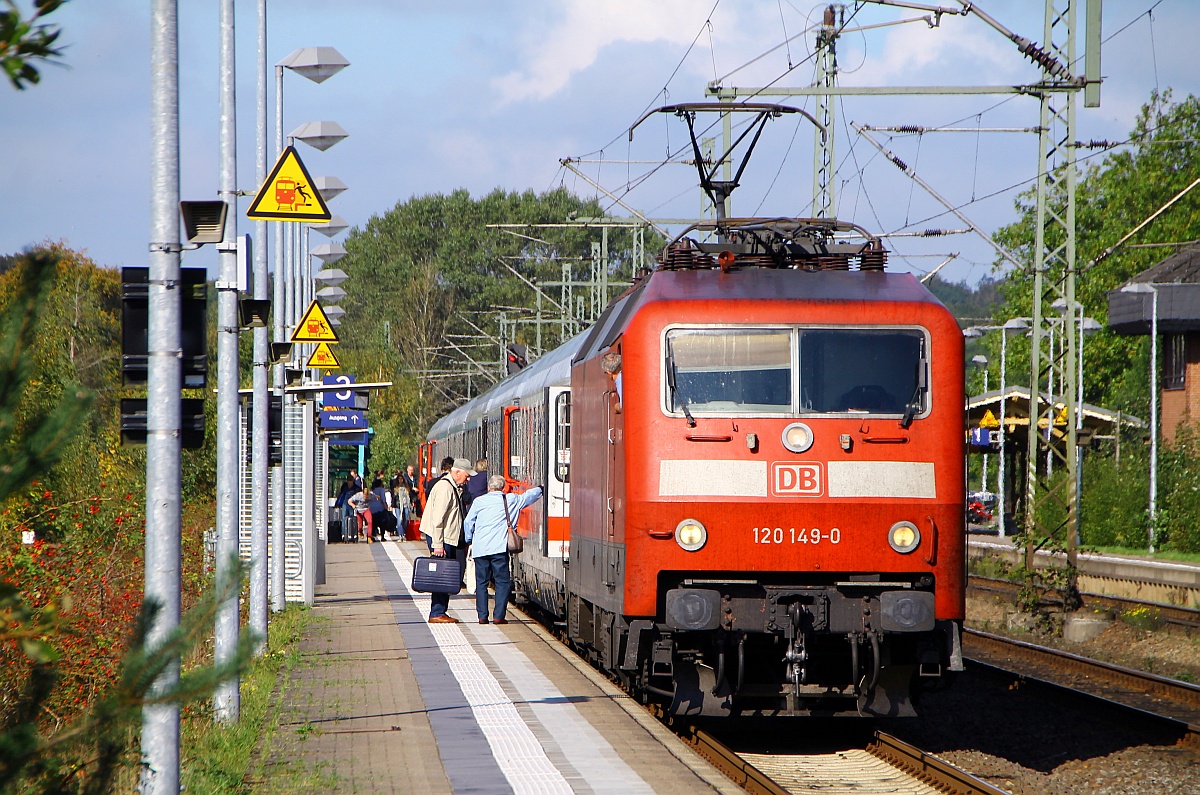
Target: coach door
x,y
558,484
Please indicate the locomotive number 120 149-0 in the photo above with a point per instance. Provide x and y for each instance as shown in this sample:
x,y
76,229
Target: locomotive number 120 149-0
x,y
796,535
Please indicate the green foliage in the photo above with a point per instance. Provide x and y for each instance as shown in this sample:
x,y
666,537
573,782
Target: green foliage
x,y
1113,504
24,42
86,756
428,282
1179,492
1112,198
971,305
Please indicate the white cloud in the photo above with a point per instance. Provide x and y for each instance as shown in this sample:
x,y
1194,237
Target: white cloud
x,y
556,49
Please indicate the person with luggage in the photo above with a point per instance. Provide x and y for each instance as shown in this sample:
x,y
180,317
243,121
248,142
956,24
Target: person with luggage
x,y
442,521
486,528
360,503
381,516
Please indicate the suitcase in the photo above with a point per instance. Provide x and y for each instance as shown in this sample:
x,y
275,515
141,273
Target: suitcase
x,y
437,575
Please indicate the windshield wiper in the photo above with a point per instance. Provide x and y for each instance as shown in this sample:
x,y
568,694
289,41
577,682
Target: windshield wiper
x,y
914,402
676,395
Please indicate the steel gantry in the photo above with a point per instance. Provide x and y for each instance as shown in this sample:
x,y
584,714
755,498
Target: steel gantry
x,y
1050,511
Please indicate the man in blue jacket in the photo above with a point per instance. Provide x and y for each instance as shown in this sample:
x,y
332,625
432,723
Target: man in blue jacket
x,y
486,528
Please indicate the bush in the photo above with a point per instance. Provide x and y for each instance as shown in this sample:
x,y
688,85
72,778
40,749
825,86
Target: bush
x,y
1113,509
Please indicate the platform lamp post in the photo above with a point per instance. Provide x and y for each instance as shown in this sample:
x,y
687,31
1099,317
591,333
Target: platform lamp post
x,y
317,64
1013,325
1152,288
981,362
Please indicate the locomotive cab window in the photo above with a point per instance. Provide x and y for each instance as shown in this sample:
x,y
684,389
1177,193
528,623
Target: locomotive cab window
x,y
774,371
722,370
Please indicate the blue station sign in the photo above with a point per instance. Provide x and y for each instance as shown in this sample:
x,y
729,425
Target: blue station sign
x,y
343,420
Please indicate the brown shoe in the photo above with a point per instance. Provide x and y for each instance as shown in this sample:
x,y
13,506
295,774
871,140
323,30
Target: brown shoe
x,y
483,621
499,620
443,620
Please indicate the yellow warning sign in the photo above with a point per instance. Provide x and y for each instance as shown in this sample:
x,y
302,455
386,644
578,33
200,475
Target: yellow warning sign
x,y
323,357
288,194
989,420
314,326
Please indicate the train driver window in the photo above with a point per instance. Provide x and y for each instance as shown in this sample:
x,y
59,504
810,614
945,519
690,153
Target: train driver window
x,y
562,437
863,371
729,370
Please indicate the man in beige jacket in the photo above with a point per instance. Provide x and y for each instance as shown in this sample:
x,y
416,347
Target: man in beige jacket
x,y
442,521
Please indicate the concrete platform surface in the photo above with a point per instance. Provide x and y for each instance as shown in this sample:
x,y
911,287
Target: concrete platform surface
x,y
385,702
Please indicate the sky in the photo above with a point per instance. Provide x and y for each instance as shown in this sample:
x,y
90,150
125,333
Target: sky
x,y
480,94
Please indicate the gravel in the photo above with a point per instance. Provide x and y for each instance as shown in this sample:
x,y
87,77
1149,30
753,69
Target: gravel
x,y
1027,739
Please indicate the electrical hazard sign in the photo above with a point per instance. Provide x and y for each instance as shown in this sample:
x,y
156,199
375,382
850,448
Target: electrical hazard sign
x,y
314,326
288,194
323,357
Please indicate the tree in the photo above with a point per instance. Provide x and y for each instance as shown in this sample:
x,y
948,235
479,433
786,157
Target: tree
x,y
428,273
25,42
1113,197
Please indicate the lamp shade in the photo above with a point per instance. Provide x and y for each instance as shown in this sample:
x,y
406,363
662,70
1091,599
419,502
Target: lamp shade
x,y
318,64
319,134
328,252
331,227
330,187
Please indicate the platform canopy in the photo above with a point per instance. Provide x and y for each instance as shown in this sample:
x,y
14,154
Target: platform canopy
x,y
1098,423
1175,279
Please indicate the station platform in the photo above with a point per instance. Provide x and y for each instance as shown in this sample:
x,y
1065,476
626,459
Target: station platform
x,y
385,702
1127,576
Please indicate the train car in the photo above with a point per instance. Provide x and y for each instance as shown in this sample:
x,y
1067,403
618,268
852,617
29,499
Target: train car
x,y
755,468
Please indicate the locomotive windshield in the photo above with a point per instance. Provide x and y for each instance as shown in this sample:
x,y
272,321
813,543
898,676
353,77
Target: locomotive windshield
x,y
795,371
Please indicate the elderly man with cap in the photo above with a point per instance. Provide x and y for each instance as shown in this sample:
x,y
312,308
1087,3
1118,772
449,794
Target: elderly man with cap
x,y
443,523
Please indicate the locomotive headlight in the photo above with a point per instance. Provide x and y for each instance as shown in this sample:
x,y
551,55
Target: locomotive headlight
x,y
690,535
797,437
904,537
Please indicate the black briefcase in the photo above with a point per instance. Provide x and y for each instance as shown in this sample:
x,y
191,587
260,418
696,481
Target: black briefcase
x,y
437,575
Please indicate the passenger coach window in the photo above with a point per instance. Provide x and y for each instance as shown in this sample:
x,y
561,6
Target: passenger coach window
x,y
722,370
795,371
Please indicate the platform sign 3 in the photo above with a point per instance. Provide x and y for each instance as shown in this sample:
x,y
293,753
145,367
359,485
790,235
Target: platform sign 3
x,y
323,357
314,327
289,194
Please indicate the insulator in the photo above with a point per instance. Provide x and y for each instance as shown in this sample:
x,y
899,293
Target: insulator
x,y
833,262
934,233
1096,144
908,128
900,164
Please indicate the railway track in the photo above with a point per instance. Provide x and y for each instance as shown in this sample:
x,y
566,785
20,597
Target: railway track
x,y
1167,699
882,764
1185,617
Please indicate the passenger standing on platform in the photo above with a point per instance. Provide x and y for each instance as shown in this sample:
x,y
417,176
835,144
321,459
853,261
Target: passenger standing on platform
x,y
447,462
443,523
478,484
410,479
486,527
361,503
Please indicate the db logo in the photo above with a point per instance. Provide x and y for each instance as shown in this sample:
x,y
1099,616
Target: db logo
x,y
798,480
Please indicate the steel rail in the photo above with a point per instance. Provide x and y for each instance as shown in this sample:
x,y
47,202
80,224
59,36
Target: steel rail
x,y
1179,692
907,759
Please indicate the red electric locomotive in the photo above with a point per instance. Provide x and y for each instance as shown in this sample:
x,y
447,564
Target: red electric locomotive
x,y
755,468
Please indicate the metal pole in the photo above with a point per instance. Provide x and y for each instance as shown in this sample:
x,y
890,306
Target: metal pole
x,y
983,463
160,721
1152,532
278,530
1001,489
226,697
259,443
